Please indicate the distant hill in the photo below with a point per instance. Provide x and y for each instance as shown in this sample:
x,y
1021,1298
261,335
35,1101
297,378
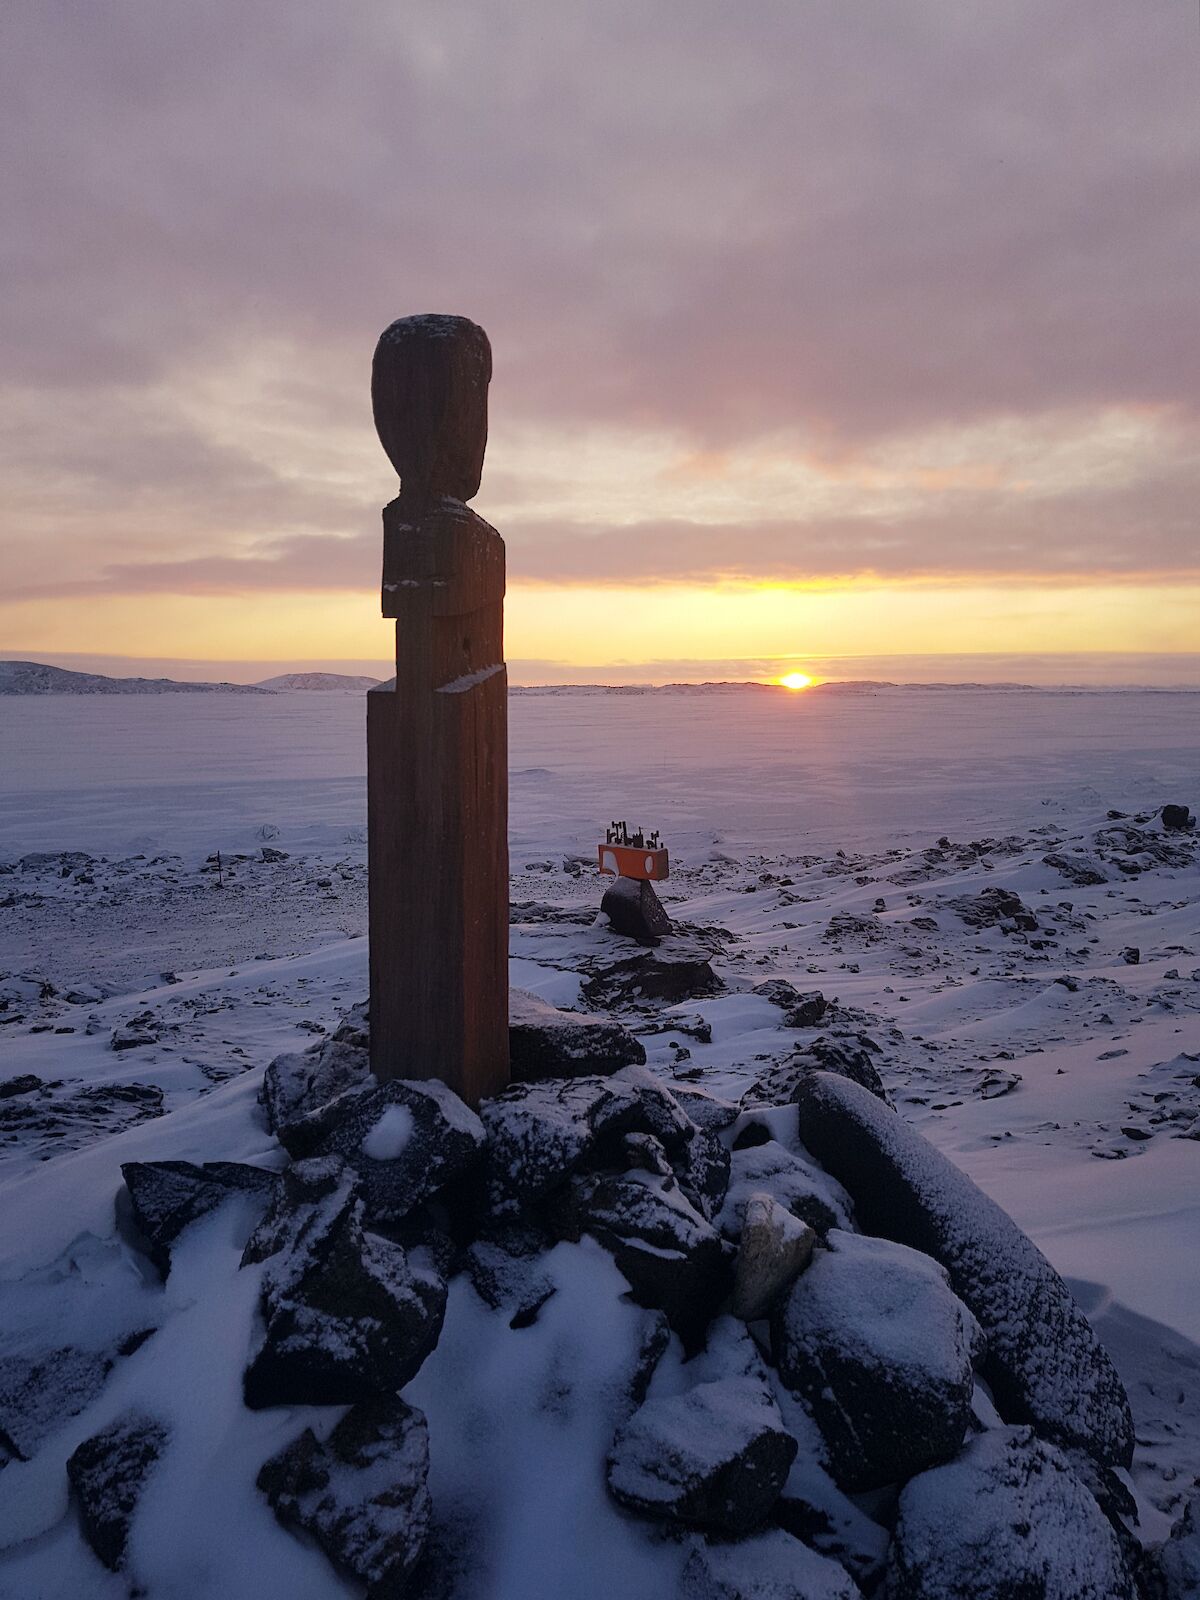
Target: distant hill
x,y
323,682
34,677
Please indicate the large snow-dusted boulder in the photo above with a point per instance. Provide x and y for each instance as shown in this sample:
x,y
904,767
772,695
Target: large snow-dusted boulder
x,y
880,1348
794,1183
540,1133
166,1196
771,1566
674,1260
348,1316
107,1472
1007,1521
544,1042
714,1457
405,1140
302,1081
1043,1362
363,1494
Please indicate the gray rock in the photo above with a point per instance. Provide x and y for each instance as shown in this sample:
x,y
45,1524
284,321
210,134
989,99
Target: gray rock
x,y
347,1315
1008,1520
774,1249
1043,1362
405,1139
633,908
107,1473
544,1042
131,1038
880,1348
363,1494
770,1566
715,1457
507,1272
166,1196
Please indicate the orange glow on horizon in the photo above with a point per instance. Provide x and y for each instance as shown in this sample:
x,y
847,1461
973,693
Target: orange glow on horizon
x,y
795,680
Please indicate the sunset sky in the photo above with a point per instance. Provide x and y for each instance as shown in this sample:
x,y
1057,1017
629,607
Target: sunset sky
x,y
821,329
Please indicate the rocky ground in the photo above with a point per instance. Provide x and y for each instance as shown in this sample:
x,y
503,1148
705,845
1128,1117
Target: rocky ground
x,y
1030,1003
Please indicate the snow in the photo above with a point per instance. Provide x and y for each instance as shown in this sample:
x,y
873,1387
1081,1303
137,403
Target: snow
x,y
755,794
389,1137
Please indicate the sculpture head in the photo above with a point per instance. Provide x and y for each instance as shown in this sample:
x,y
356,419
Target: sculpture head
x,y
429,382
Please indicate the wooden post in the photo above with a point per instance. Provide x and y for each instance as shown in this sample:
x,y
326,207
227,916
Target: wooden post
x,y
437,736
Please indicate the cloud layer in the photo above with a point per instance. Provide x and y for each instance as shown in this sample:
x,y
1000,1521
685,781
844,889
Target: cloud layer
x,y
867,242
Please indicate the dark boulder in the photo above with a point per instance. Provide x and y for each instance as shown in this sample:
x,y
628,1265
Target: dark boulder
x,y
540,1133
507,1271
634,909
302,1081
770,1566
165,1196
1043,1362
1179,1558
404,1139
107,1472
544,1042
1008,1520
799,1010
714,1457
347,1315
673,1259
1077,867
363,1494
679,969
993,907
880,1349
1178,819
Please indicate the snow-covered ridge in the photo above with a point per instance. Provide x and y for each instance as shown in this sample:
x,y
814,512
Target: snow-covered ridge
x,y
33,677
321,682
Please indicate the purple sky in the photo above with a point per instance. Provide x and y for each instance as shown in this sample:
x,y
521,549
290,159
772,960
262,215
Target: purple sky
x,y
781,292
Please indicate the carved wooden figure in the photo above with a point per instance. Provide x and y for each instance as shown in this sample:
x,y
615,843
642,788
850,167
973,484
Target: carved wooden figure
x,y
437,737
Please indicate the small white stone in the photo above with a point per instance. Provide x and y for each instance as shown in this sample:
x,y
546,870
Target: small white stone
x,y
775,1248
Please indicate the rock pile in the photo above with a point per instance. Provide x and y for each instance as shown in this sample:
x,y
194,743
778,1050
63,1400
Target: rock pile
x,y
887,1389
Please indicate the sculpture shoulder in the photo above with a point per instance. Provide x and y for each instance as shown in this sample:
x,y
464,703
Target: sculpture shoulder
x,y
441,553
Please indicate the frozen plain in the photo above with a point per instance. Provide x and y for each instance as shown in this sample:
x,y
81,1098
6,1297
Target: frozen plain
x,y
1031,1083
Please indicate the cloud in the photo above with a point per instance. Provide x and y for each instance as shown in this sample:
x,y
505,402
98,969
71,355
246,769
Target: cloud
x,y
855,225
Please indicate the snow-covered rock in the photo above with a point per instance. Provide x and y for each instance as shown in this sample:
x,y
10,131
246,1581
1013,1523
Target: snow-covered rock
x,y
302,1081
880,1348
799,1186
39,1392
362,1494
165,1196
404,1139
774,1248
540,1133
992,907
714,1457
677,969
544,1042
771,1566
347,1315
674,1260
107,1472
1007,1519
799,1010
1043,1361
1179,1558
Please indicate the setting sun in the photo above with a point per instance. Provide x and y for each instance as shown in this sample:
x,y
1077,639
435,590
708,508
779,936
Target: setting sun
x,y
795,680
